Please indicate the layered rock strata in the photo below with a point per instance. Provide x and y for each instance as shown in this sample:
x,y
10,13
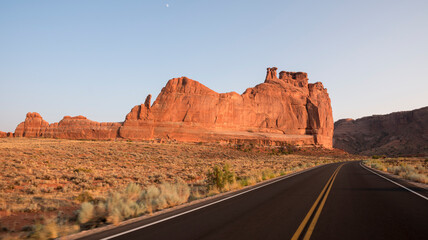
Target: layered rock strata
x,y
69,128
394,134
280,110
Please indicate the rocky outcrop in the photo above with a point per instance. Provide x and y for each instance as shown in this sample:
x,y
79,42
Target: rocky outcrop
x,y
320,114
139,123
395,134
280,110
33,126
6,134
80,127
69,128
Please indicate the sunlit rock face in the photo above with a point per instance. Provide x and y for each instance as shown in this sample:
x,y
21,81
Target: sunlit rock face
x,y
78,127
279,111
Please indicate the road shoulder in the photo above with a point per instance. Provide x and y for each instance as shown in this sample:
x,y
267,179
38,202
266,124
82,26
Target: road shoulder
x,y
180,209
419,188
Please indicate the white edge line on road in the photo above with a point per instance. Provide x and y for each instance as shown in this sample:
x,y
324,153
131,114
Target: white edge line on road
x,y
410,190
209,204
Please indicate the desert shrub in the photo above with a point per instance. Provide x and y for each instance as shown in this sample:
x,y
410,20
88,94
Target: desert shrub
x,y
268,174
32,190
52,229
405,170
245,147
174,194
408,172
151,197
243,181
118,207
47,231
134,201
247,181
220,176
310,164
86,212
84,197
165,195
394,169
287,149
377,165
32,207
417,177
133,191
84,170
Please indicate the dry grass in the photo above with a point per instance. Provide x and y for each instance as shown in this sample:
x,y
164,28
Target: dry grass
x,y
413,169
44,178
132,202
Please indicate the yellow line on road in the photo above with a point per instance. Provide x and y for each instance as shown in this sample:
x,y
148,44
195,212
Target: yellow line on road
x,y
317,214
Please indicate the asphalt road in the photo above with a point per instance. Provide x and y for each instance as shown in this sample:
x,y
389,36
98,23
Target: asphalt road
x,y
335,201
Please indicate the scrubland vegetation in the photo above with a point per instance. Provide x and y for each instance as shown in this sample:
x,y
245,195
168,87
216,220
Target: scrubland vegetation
x,y
54,187
413,169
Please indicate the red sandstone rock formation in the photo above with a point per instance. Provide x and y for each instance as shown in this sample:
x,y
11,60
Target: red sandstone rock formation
x,y
6,134
186,110
280,110
80,127
394,134
139,123
69,128
33,126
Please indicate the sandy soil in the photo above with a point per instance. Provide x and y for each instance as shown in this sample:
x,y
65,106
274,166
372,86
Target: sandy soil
x,y
50,177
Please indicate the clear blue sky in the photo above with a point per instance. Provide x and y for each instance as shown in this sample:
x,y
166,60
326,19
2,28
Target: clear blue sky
x,y
101,58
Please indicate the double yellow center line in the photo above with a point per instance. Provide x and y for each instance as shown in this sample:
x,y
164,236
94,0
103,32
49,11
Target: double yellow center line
x,y
318,205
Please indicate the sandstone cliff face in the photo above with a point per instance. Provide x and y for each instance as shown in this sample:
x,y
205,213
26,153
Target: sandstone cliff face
x,y
280,110
69,128
186,110
80,127
395,134
33,126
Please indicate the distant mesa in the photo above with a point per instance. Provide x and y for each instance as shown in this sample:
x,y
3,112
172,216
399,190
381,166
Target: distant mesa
x,y
5,134
394,134
284,110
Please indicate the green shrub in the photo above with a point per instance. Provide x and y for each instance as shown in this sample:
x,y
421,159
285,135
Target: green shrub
x,y
268,174
84,197
220,176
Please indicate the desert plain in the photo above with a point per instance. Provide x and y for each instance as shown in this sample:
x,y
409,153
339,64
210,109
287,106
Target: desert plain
x,y
50,178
